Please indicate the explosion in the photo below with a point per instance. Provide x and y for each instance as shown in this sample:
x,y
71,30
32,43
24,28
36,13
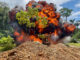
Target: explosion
x,y
40,22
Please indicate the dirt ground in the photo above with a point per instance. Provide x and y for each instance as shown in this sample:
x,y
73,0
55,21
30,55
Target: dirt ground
x,y
36,51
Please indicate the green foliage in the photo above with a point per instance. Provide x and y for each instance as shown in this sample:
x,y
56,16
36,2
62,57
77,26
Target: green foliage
x,y
43,22
4,16
32,12
74,44
24,18
65,12
6,43
42,36
76,24
5,28
6,32
72,20
32,24
1,35
76,36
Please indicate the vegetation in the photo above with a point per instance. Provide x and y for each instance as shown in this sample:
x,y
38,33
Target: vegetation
x,y
26,18
76,37
4,17
42,36
74,44
72,21
6,43
65,12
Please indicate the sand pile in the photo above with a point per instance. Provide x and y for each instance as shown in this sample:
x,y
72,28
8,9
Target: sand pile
x,y
35,51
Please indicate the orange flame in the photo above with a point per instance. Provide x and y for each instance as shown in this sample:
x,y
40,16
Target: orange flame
x,y
16,33
47,10
69,28
30,3
32,37
55,33
20,38
54,21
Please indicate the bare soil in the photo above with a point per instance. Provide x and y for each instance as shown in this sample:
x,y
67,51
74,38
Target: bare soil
x,y
36,51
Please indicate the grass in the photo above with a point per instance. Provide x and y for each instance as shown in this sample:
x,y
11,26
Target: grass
x,y
74,44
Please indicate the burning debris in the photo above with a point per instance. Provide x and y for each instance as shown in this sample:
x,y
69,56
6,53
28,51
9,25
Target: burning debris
x,y
40,22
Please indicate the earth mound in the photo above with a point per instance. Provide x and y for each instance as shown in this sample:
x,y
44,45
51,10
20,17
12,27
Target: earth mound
x,y
36,51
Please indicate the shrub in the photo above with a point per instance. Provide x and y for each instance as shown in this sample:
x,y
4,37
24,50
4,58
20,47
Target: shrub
x,y
6,43
76,37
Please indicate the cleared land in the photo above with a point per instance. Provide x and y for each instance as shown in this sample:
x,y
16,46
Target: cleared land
x,y
35,51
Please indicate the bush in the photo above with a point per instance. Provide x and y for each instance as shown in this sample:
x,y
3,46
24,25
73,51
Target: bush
x,y
76,37
6,32
6,43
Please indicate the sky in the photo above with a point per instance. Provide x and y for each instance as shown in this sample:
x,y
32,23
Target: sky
x,y
71,4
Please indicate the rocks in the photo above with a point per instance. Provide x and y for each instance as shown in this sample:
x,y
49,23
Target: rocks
x,y
35,51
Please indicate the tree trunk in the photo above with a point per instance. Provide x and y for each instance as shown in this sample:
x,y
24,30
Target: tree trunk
x,y
66,18
2,21
77,28
3,18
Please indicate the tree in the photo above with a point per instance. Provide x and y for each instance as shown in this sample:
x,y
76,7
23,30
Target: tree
x,y
77,24
4,16
65,12
5,28
72,20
